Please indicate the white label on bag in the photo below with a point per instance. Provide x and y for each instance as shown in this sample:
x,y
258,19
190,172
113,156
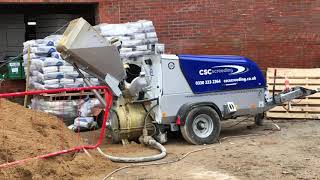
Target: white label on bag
x,y
14,64
14,70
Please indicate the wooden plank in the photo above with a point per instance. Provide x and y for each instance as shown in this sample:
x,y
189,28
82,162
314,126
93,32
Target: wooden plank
x,y
294,73
293,115
296,109
313,96
293,82
307,108
282,87
306,101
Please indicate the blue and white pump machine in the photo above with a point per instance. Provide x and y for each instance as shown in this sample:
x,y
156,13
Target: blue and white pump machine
x,y
187,93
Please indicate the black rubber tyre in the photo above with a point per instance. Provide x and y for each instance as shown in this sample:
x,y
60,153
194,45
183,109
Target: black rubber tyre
x,y
202,126
259,119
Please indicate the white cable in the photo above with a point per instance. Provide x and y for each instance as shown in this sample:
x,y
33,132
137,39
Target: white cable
x,y
182,157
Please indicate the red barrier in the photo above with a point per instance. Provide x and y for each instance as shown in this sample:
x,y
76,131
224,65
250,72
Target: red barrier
x,y
108,99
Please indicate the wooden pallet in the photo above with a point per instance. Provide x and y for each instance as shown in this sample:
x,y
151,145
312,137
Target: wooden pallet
x,y
69,95
306,108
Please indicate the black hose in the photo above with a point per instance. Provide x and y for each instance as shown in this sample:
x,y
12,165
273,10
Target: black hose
x,y
148,113
146,100
274,86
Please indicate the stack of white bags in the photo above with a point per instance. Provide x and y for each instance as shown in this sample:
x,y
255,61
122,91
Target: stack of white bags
x,y
137,37
47,69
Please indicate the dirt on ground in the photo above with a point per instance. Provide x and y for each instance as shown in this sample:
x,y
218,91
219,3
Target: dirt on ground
x,y
245,152
25,134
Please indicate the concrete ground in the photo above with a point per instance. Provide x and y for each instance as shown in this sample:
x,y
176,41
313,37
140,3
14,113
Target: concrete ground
x,y
247,153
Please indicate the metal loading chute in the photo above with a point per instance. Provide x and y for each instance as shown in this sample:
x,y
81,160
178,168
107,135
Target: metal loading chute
x,y
83,46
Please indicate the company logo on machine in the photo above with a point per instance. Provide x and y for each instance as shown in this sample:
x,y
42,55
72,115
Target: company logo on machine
x,y
171,65
230,69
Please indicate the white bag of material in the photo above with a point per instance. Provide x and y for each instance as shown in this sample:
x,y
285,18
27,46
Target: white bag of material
x,y
79,80
122,50
148,29
37,85
45,62
139,36
66,69
65,63
73,85
83,123
36,62
32,68
38,42
51,81
64,81
50,69
56,55
142,48
86,107
151,41
34,73
48,76
119,30
54,105
135,25
50,61
146,23
124,38
40,50
94,81
65,108
134,54
151,35
121,38
29,43
52,86
32,56
114,29
33,79
132,43
71,74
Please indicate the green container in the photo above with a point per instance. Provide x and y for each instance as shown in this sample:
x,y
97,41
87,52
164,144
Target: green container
x,y
15,69
2,76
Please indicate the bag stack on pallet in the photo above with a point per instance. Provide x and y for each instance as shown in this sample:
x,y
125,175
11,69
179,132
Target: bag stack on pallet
x,y
64,109
137,38
47,69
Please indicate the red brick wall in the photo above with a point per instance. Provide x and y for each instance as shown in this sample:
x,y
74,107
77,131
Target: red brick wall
x,y
273,33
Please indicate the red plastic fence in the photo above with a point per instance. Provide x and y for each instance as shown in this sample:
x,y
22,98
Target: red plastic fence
x,y
108,99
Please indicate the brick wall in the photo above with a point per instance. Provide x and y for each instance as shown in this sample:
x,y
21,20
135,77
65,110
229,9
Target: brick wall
x,y
273,33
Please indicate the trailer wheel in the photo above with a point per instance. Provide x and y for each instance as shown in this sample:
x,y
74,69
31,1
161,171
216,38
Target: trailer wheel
x,y
259,119
202,126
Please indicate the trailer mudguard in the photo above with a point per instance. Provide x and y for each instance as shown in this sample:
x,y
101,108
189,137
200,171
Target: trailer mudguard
x,y
206,74
184,109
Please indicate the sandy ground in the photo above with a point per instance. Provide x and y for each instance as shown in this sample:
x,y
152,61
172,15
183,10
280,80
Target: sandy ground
x,y
292,153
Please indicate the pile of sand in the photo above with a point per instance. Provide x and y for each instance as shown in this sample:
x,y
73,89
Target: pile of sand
x,y
26,133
